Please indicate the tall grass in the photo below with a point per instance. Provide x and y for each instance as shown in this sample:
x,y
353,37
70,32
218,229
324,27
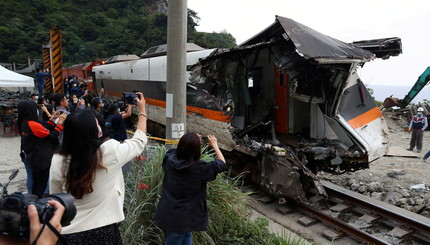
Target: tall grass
x,y
227,206
140,204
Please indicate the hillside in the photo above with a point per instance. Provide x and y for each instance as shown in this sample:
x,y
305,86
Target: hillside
x,y
91,29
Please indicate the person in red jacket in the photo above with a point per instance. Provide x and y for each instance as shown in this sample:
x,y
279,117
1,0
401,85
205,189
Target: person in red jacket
x,y
38,142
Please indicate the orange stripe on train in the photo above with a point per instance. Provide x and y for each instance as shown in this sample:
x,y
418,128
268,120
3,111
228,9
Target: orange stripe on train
x,y
365,118
210,114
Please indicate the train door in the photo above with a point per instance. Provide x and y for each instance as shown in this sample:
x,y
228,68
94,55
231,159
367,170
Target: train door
x,y
282,98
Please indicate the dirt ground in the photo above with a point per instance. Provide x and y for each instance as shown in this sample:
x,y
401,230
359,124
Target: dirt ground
x,y
401,178
9,161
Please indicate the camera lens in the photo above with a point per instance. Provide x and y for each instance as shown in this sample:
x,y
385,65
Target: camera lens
x,y
67,201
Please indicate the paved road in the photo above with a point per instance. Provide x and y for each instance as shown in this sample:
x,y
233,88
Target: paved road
x,y
9,161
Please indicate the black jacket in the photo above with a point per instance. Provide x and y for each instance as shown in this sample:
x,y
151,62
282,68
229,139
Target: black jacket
x,y
182,206
37,141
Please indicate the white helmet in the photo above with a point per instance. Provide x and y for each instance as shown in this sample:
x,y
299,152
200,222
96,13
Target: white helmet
x,y
420,109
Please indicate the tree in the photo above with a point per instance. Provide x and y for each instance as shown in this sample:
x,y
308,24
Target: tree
x,y
91,29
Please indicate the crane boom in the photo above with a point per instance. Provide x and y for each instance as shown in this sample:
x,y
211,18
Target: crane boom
x,y
422,81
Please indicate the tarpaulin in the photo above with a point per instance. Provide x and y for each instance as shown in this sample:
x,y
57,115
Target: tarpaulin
x,y
9,78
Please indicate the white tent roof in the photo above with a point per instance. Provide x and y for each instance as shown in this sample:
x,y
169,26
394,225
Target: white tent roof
x,y
9,78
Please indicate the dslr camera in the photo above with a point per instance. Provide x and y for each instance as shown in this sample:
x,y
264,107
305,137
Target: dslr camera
x,y
14,220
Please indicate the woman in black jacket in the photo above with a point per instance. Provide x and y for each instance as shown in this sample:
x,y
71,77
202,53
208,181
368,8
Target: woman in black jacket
x,y
182,208
38,142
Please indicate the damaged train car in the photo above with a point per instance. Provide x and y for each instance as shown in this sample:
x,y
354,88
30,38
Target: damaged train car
x,y
287,103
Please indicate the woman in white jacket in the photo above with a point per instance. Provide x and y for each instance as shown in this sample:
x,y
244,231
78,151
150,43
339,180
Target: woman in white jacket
x,y
90,170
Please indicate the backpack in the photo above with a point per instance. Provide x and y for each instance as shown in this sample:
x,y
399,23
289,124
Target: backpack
x,y
109,128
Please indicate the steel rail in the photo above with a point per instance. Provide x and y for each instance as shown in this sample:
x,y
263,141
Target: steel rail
x,y
385,212
346,228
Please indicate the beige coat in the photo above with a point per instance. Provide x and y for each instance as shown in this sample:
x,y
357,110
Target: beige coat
x,y
104,206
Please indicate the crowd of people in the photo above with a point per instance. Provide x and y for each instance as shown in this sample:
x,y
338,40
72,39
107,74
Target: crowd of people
x,y
74,85
75,144
65,150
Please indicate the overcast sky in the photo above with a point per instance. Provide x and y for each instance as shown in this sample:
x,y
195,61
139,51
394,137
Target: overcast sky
x,y
347,21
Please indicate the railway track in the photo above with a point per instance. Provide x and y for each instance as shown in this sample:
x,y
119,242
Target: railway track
x,y
347,217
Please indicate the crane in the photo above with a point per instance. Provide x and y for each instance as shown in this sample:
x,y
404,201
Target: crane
x,y
422,81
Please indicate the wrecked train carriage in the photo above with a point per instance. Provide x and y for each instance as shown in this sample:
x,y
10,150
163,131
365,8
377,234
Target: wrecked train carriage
x,y
290,98
298,104
303,88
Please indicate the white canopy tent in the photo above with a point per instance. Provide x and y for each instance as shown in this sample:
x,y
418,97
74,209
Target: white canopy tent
x,y
9,78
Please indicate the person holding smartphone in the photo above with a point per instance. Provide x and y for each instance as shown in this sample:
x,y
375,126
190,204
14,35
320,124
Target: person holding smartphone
x,y
38,142
73,103
182,208
92,174
116,118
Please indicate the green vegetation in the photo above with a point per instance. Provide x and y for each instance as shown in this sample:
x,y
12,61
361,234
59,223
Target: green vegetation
x,y
92,29
227,207
378,103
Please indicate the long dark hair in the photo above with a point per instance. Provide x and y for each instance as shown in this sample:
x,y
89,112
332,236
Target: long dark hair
x,y
81,144
189,147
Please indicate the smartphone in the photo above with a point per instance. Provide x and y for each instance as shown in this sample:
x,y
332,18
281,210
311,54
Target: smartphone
x,y
129,98
39,105
205,139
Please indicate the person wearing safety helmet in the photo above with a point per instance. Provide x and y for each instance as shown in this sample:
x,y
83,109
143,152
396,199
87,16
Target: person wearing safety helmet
x,y
416,127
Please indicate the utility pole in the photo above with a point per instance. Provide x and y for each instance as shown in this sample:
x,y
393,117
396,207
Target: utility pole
x,y
176,100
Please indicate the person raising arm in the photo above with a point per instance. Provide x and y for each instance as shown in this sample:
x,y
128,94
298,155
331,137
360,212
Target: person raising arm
x,y
90,169
213,142
141,124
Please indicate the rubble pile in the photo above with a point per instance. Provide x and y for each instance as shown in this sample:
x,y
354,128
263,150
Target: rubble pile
x,y
9,100
415,198
401,180
8,106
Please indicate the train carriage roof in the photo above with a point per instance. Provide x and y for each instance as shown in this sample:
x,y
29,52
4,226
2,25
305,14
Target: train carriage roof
x,y
308,42
162,50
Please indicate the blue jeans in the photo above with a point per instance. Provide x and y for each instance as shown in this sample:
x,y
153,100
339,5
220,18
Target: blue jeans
x,y
29,181
178,238
47,189
41,88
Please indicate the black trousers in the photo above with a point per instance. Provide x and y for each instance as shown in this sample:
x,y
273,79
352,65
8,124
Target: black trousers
x,y
416,139
40,181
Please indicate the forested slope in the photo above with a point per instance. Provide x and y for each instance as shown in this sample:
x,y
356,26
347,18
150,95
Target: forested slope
x,y
91,29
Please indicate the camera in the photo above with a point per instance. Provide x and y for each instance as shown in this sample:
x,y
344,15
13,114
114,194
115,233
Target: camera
x,y
129,98
14,220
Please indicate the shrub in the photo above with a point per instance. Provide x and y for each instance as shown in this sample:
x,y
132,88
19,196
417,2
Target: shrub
x,y
227,205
